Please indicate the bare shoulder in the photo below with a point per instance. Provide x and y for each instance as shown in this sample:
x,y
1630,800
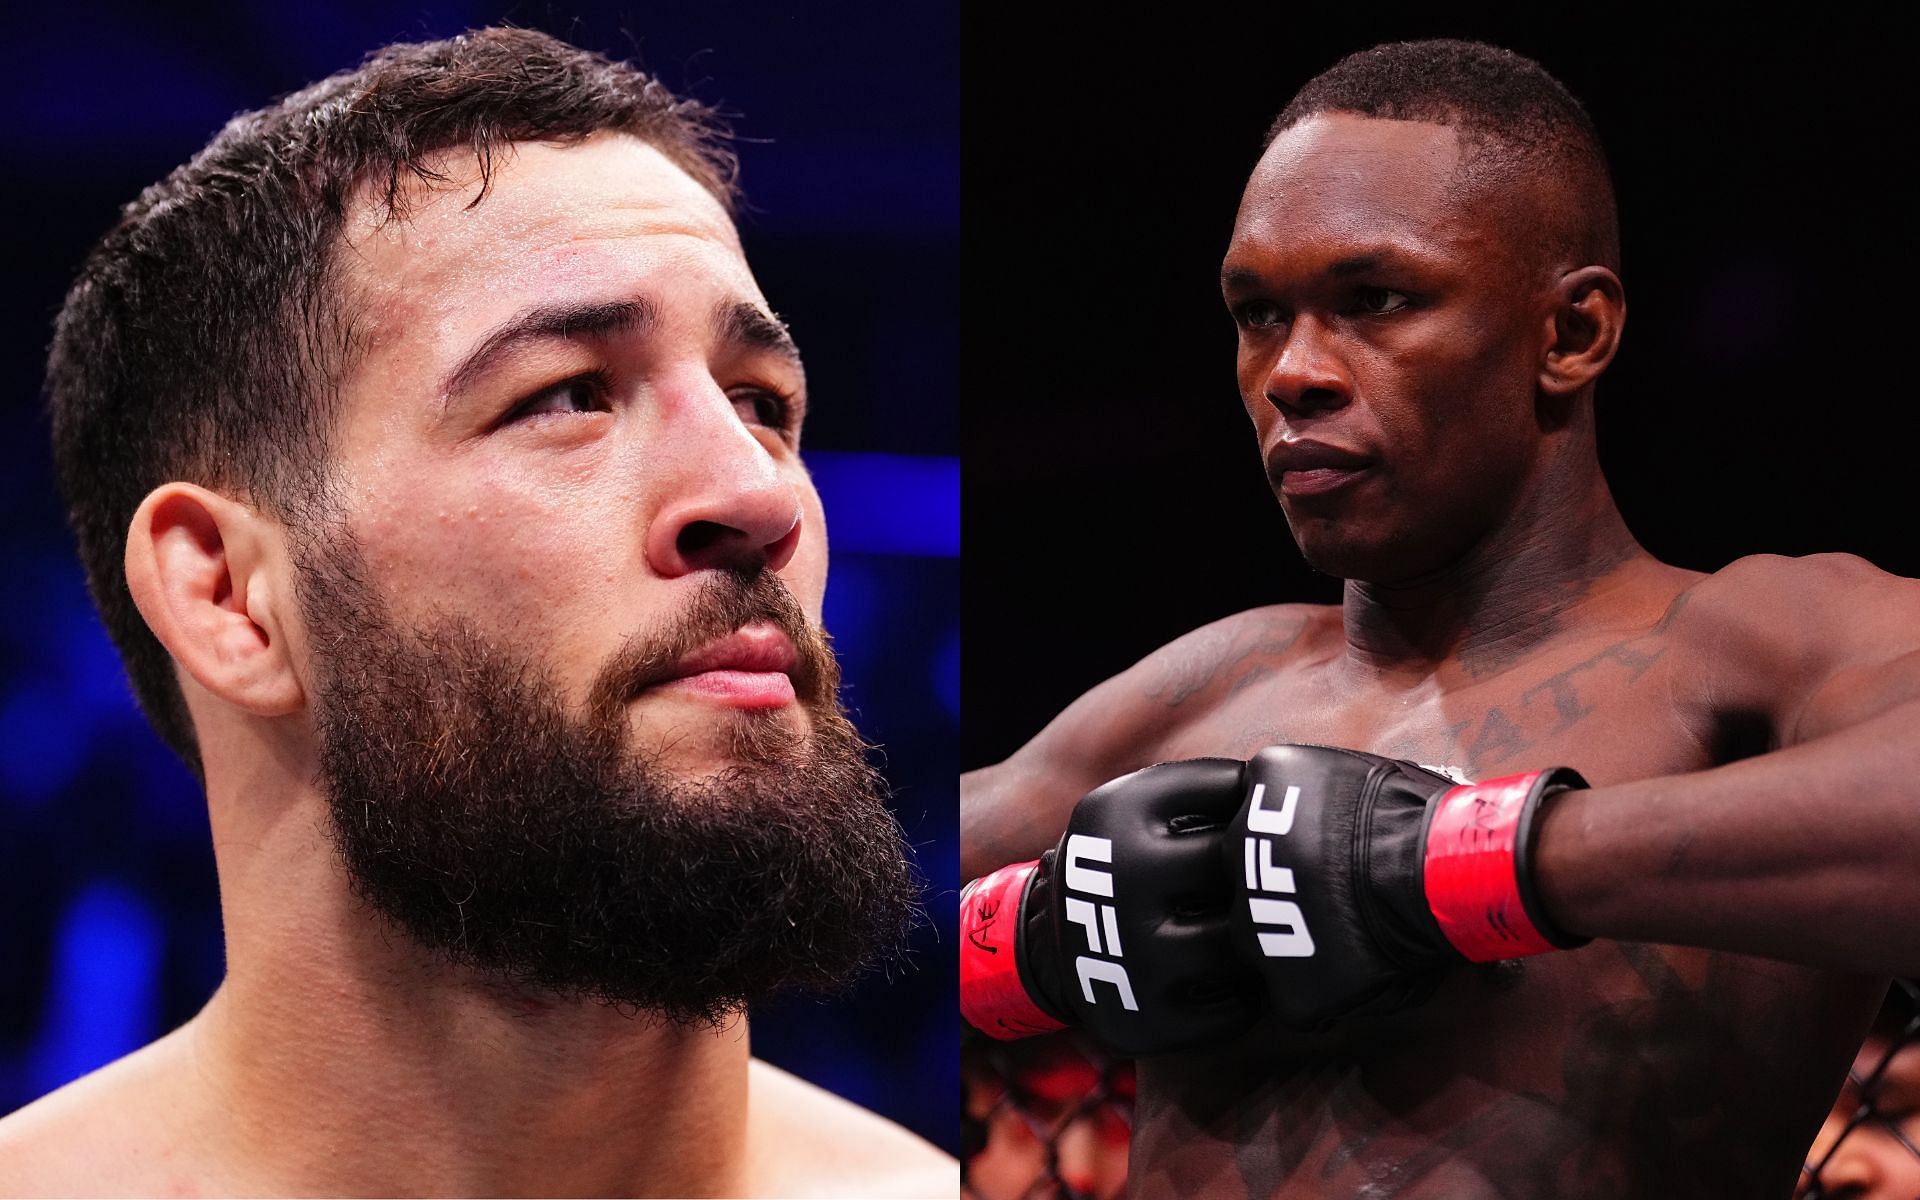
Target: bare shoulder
x,y
1770,635
1225,655
1013,810
1120,725
103,1134
1759,579
1780,608
806,1141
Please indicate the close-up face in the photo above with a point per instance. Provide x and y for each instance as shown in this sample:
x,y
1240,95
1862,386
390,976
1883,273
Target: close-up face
x,y
1389,337
574,409
569,534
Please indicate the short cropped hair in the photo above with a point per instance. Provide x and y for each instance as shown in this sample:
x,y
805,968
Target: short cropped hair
x,y
1517,122
208,333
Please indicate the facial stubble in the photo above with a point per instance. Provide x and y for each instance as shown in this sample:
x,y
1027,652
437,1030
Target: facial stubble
x,y
477,814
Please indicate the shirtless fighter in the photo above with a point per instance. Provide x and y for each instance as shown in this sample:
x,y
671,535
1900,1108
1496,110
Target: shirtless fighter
x,y
1677,948
434,458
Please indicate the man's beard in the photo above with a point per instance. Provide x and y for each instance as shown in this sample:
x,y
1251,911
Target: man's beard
x,y
479,816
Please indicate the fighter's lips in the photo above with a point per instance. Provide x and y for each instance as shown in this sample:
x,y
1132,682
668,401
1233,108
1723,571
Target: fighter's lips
x,y
1311,468
750,668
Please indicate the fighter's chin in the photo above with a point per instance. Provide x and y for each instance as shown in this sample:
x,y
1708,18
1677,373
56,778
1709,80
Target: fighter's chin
x,y
694,734
1369,564
1332,550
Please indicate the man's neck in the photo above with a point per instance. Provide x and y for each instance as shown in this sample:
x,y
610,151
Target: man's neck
x,y
341,1059
1506,593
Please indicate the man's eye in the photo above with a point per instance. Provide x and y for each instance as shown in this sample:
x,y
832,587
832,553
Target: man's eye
x,y
1260,314
771,409
582,394
1379,301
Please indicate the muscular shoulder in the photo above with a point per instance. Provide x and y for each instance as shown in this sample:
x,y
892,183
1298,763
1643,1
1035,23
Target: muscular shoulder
x,y
1215,660
1012,811
809,1142
1121,724
1766,631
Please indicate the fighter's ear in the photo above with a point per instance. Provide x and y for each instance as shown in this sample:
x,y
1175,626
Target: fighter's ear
x,y
1589,311
204,573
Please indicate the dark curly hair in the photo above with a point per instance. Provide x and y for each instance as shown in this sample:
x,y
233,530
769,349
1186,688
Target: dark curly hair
x,y
208,331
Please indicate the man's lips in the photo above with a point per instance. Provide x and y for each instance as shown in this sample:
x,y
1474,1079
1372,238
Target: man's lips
x,y
749,668
1306,468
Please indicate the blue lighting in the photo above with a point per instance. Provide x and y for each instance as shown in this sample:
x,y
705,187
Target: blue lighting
x,y
44,747
101,999
889,503
946,672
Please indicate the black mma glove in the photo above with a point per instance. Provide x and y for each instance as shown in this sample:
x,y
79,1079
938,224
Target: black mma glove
x,y
1361,877
1122,929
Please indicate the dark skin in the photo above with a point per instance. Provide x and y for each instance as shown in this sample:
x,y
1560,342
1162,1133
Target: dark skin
x,y
1745,858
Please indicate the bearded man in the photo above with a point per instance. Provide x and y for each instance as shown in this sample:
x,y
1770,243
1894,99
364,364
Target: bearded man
x,y
434,459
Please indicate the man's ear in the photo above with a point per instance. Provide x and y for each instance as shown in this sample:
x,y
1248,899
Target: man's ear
x,y
1589,312
205,574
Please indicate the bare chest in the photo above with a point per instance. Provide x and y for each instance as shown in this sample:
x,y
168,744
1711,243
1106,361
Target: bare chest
x,y
1609,706
1618,1070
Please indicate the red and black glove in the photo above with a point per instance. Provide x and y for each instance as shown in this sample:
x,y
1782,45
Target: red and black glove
x,y
1362,877
1123,928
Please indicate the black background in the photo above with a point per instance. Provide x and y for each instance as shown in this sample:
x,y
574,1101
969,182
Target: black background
x,y
1114,497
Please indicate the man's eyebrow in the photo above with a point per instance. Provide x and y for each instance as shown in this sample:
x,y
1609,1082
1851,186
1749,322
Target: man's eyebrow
x,y
567,320
746,324
1238,279
1248,279
1357,264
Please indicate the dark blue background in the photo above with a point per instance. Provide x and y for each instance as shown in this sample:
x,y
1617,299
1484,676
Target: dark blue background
x,y
849,114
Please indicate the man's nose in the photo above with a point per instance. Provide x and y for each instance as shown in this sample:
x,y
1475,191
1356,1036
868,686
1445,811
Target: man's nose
x,y
1307,377
729,504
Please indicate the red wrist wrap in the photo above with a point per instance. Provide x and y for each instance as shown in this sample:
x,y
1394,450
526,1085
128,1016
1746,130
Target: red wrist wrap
x,y
992,998
1472,876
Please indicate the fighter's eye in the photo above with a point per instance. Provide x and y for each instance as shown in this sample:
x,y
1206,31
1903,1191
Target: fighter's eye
x,y
1379,301
1260,314
585,393
757,406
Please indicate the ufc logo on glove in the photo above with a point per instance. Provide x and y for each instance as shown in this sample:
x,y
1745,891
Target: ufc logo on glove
x,y
1091,881
1265,879
1122,928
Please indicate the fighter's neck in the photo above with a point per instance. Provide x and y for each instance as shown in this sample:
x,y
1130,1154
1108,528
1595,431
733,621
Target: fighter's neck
x,y
1509,591
360,1066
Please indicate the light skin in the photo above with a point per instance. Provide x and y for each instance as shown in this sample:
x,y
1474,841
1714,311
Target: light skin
x,y
1752,804
560,515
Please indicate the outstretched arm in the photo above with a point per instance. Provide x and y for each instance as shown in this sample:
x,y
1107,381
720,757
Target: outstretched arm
x,y
1809,853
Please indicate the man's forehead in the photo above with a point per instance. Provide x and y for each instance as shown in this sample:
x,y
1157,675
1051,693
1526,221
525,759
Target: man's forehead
x,y
606,218
1355,153
1343,178
541,199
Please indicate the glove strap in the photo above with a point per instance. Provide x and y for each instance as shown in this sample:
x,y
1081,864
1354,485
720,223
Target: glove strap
x,y
1478,885
992,997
